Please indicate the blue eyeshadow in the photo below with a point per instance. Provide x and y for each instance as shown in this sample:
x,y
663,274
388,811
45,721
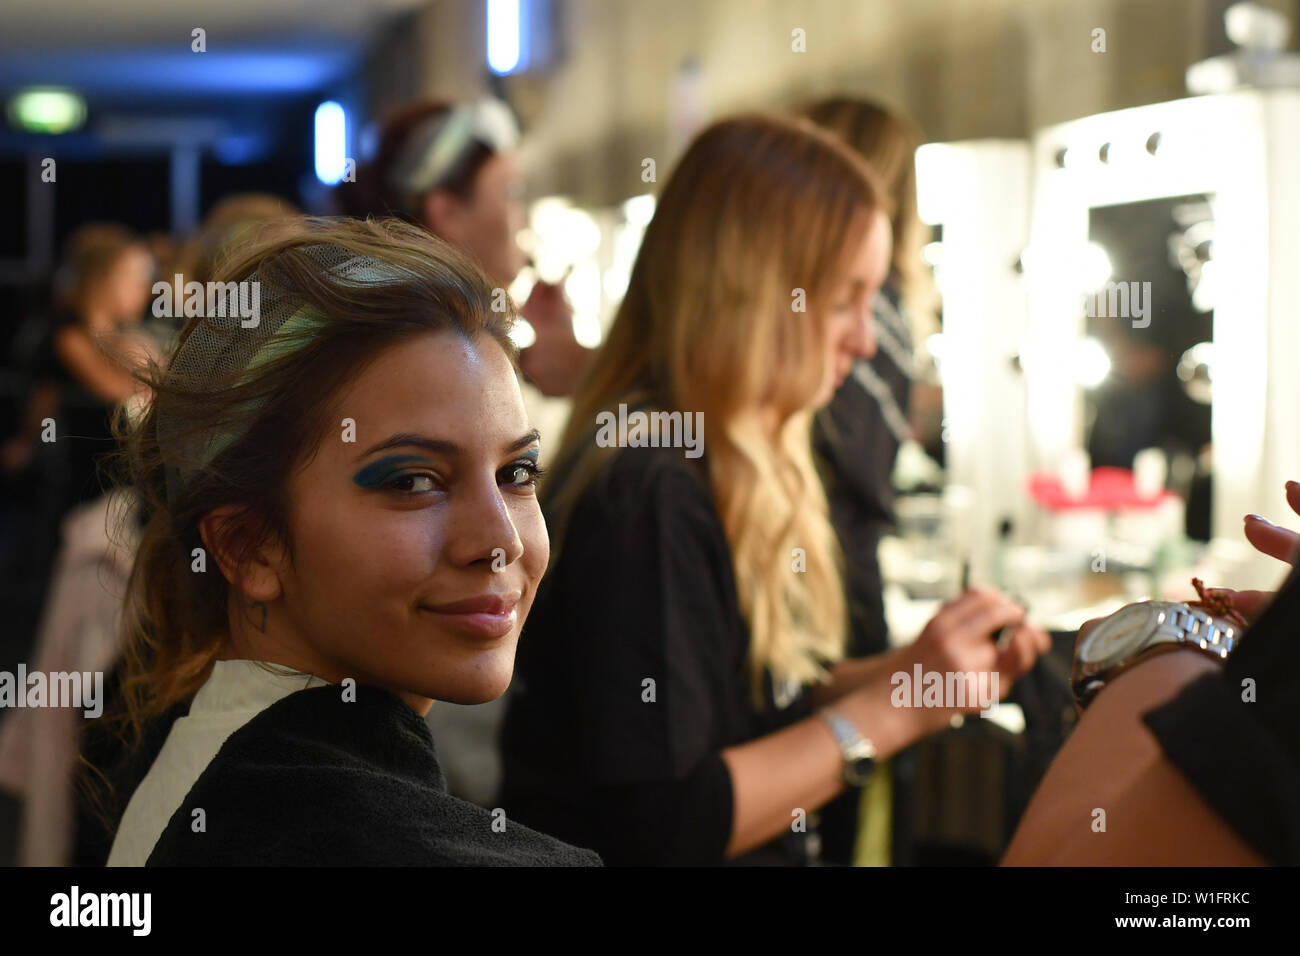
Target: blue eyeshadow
x,y
375,473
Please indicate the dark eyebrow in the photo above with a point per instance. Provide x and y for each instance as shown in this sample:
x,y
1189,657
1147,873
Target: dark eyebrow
x,y
440,446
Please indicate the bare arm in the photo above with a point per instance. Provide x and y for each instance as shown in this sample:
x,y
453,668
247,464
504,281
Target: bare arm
x,y
1113,763
801,768
106,379
848,676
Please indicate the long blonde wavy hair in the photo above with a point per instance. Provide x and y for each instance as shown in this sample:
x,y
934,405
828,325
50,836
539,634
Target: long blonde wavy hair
x,y
760,212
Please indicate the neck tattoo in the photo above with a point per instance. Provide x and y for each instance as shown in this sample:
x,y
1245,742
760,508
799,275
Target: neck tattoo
x,y
259,624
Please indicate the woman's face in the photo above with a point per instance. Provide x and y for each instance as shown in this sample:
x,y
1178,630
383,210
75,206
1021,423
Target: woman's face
x,y
125,289
417,548
850,328
486,225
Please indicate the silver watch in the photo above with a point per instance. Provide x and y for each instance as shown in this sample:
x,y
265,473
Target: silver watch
x,y
859,752
1115,643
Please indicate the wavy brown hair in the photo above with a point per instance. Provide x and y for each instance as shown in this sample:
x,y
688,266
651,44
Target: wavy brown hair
x,y
758,208
270,415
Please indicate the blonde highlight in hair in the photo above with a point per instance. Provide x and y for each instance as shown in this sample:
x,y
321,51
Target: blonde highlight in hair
x,y
762,214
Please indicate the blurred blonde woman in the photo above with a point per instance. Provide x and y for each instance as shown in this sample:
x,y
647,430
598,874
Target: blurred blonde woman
x,y
673,682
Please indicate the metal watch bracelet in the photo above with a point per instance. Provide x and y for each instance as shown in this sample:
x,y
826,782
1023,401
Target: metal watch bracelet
x,y
858,751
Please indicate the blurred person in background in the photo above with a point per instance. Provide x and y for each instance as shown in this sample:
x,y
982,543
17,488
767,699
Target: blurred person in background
x,y
76,359
101,291
84,374
234,220
857,437
164,248
80,627
672,685
451,168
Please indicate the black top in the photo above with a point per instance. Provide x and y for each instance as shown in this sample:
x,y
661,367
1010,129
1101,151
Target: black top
x,y
1243,755
315,780
857,439
643,589
83,427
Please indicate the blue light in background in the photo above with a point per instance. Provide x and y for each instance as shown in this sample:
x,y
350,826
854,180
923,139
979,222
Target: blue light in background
x,y
240,149
150,71
331,144
505,52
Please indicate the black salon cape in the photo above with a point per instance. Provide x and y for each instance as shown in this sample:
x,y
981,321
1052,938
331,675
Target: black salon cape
x,y
314,780
643,588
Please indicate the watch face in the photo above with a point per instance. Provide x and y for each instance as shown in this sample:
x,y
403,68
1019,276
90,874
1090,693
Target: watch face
x,y
1118,635
861,770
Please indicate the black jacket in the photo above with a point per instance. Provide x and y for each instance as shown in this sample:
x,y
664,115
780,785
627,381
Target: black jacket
x,y
314,780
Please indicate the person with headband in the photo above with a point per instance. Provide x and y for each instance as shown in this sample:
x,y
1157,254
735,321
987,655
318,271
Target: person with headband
x,y
451,168
341,527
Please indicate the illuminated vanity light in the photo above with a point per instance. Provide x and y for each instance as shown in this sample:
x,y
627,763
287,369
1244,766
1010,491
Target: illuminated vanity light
x,y
331,143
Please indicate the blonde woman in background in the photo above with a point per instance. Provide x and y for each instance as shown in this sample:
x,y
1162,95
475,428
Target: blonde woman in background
x,y
671,685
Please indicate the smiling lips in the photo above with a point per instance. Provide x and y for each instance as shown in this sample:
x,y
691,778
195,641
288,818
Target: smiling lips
x,y
488,616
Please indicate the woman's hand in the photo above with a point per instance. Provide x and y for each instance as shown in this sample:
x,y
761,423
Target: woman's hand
x,y
555,362
960,639
1267,538
1276,542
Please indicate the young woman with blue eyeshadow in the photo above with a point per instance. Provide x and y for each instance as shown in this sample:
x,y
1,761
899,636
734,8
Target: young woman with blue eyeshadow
x,y
357,474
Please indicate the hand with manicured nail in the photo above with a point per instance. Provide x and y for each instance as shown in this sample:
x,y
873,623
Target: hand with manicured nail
x,y
1276,542
1267,538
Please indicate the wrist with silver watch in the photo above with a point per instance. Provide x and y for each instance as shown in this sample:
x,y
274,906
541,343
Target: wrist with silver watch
x,y
859,752
1120,640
